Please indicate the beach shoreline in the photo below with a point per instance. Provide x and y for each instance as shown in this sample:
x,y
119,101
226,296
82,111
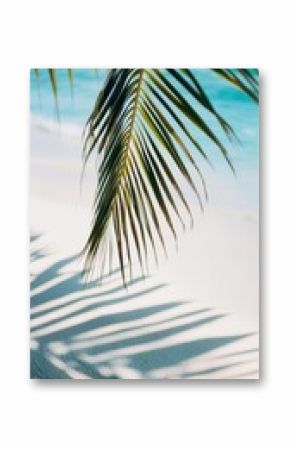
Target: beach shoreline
x,y
215,269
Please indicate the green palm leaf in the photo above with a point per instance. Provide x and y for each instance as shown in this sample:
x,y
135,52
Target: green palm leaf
x,y
52,74
244,79
137,129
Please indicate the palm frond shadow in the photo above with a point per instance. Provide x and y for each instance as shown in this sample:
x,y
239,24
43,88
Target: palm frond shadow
x,y
101,330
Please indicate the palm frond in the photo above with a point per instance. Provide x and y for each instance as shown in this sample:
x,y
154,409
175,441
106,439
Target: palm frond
x,y
52,75
139,130
245,79
53,83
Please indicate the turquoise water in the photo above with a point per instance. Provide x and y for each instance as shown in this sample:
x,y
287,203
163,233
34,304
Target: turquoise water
x,y
74,108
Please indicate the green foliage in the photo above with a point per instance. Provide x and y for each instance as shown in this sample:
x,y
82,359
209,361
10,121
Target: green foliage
x,y
137,130
142,132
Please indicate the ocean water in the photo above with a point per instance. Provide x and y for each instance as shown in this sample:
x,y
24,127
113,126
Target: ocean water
x,y
74,106
240,111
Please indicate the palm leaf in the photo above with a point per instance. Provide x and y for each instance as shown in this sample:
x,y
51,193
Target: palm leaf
x,y
137,129
245,79
52,75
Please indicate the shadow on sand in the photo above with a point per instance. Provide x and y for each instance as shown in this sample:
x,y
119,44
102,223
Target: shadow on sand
x,y
101,330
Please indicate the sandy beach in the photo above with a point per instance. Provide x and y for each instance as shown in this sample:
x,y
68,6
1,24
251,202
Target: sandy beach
x,y
196,316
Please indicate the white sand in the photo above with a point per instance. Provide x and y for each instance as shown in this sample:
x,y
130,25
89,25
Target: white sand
x,y
197,315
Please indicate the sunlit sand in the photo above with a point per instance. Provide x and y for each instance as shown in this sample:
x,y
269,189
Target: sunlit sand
x,y
195,316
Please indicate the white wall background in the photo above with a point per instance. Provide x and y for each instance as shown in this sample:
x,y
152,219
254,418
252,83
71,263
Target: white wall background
x,y
133,415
